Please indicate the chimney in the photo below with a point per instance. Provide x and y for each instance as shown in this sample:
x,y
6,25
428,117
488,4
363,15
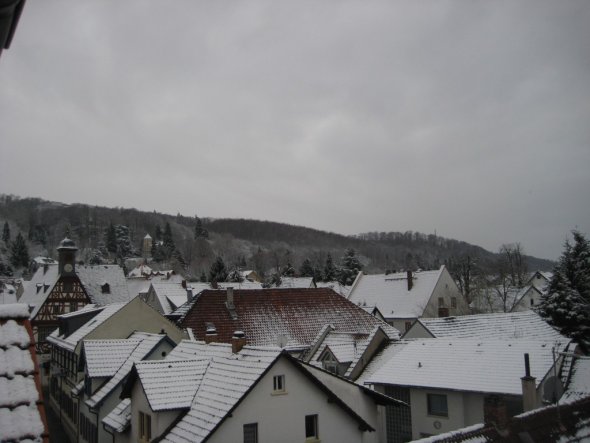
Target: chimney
x,y
183,283
410,282
45,268
238,341
495,412
210,333
529,390
230,298
189,294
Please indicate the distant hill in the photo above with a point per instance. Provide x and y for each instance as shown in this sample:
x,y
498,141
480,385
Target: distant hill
x,y
255,244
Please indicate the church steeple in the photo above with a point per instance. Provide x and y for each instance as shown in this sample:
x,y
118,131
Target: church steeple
x,y
67,257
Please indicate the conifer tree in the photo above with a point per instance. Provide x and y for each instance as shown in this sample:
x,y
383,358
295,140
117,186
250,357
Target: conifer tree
x,y
111,238
167,239
19,254
158,233
567,303
200,232
306,269
6,233
350,267
330,270
218,272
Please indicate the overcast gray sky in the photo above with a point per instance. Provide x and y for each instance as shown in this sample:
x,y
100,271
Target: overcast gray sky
x,y
471,118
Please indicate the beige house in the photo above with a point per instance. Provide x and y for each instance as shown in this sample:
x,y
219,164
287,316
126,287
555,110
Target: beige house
x,y
404,297
119,320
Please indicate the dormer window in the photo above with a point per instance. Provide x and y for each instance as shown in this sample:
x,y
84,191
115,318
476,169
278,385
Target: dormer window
x,y
106,288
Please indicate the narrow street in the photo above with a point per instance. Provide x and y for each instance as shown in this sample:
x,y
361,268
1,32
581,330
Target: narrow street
x,y
56,432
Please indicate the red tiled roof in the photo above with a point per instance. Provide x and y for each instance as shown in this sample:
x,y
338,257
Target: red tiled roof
x,y
264,315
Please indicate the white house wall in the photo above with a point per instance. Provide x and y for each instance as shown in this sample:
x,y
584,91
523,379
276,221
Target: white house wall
x,y
424,424
281,418
160,420
447,289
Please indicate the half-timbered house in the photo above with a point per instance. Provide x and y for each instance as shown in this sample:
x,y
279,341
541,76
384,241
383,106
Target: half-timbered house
x,y
65,287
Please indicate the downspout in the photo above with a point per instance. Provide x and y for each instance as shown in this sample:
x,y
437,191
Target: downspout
x,y
109,432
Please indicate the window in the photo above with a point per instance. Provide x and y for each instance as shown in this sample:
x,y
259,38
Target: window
x,y
408,325
437,405
251,433
441,302
453,302
532,302
278,383
311,426
145,427
106,288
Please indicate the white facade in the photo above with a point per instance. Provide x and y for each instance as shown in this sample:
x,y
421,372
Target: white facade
x,y
281,416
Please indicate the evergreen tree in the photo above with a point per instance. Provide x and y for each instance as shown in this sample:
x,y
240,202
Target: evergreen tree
x,y
19,254
5,270
567,303
306,269
350,267
111,238
200,232
167,239
235,276
288,270
330,270
158,234
217,273
6,233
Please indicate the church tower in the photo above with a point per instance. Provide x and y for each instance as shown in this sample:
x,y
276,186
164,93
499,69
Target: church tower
x,y
67,257
147,246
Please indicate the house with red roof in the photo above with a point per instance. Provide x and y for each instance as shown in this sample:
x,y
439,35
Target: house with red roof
x,y
289,318
22,410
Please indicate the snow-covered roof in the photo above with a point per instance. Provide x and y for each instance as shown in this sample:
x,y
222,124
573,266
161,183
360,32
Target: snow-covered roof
x,y
20,417
514,325
225,381
270,316
119,418
140,271
105,357
389,292
71,341
579,382
171,384
194,350
94,277
493,366
334,285
297,282
146,342
165,292
36,290
245,284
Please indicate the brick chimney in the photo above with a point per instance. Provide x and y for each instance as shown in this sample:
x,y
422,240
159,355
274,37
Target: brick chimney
x,y
238,341
529,389
183,283
410,282
189,294
210,333
495,412
229,303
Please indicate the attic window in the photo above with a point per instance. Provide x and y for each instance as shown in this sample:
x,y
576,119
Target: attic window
x,y
106,288
278,383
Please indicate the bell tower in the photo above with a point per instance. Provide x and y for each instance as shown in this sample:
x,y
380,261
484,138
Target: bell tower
x,y
67,257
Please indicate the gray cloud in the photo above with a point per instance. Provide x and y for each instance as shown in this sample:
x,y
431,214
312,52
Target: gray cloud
x,y
470,118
